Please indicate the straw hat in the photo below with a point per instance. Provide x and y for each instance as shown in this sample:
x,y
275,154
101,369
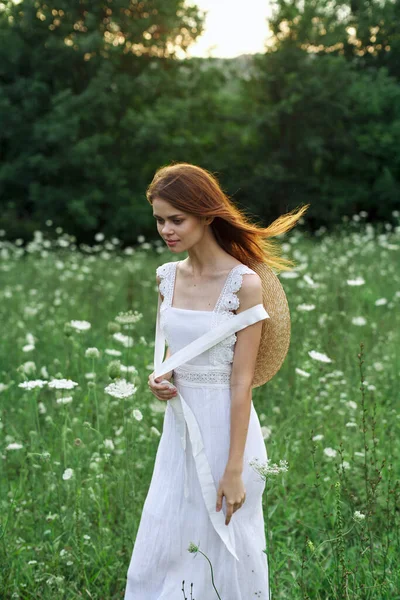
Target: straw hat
x,y
275,333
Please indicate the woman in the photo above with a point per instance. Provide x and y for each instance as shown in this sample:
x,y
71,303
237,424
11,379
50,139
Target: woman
x,y
197,294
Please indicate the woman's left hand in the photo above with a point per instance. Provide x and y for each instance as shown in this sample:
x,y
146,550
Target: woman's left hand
x,y
231,486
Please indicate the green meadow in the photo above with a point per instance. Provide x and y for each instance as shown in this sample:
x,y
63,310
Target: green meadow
x,y
76,461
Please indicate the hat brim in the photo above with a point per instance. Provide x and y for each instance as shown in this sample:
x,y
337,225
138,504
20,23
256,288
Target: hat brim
x,y
275,333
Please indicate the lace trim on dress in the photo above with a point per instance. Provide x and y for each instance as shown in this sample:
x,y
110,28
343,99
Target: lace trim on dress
x,y
223,352
167,278
206,377
166,286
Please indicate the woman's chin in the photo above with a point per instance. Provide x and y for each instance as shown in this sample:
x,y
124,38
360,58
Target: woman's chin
x,y
175,248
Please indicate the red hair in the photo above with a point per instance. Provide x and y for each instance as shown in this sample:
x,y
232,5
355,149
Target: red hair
x,y
195,190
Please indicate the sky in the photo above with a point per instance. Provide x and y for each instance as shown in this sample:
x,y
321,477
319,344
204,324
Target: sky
x,y
232,27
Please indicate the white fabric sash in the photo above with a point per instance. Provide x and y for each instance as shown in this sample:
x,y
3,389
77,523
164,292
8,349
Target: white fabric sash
x,y
184,415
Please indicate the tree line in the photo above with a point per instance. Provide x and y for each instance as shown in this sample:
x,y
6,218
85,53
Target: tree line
x,y
94,98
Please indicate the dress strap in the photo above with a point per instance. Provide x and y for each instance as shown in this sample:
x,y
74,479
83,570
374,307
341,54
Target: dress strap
x,y
228,299
166,273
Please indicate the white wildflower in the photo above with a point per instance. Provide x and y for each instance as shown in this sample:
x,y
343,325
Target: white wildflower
x,y
31,385
64,400
318,437
359,321
92,353
266,432
44,372
126,340
129,369
62,384
357,281
112,352
301,372
378,366
330,452
29,367
14,446
380,302
120,388
266,469
306,307
68,473
137,414
28,348
109,444
289,275
128,318
319,356
310,281
358,516
80,325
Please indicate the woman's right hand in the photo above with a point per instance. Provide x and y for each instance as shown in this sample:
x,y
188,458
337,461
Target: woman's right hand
x,y
161,387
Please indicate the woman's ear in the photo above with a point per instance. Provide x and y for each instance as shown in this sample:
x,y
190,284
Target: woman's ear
x,y
209,220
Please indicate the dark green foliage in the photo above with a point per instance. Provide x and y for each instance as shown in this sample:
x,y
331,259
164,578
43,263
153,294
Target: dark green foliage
x,y
93,100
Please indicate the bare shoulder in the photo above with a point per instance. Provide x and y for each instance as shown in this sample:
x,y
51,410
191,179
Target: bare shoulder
x,y
250,292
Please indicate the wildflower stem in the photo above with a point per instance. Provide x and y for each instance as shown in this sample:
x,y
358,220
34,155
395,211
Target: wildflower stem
x,y
267,523
96,401
368,498
36,412
212,574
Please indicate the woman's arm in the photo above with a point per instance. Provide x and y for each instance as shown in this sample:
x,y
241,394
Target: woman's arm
x,y
244,362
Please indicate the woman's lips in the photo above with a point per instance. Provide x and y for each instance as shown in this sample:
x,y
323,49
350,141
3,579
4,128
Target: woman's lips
x,y
172,242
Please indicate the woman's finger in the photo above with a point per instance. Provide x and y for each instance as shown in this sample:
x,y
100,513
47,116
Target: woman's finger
x,y
229,513
158,386
161,390
161,386
165,394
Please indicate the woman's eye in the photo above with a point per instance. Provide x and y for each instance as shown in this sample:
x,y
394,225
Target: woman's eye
x,y
176,221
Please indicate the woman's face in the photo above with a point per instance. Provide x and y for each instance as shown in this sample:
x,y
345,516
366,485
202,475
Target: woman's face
x,y
182,228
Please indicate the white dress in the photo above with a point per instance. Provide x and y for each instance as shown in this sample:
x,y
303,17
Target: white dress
x,y
174,512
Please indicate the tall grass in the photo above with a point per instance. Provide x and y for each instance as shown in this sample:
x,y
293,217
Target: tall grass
x,y
76,463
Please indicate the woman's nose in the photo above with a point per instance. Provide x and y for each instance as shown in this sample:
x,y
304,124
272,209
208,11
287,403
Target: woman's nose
x,y
166,230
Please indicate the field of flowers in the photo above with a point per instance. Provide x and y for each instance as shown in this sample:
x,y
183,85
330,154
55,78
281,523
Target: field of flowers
x,y
79,428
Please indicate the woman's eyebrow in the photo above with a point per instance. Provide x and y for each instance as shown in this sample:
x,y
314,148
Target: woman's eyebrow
x,y
170,216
